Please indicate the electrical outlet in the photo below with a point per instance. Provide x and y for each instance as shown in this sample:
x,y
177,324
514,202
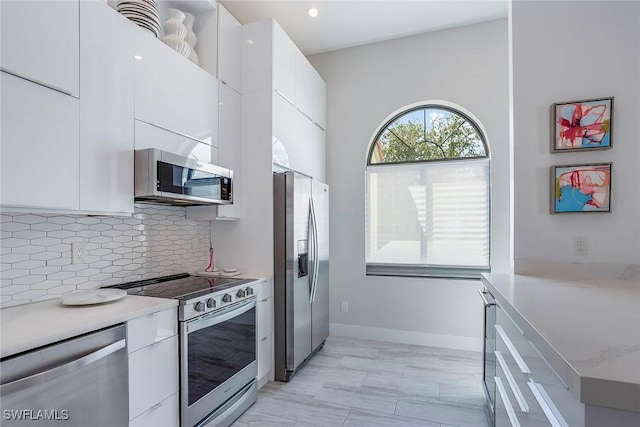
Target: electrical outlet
x,y
580,246
195,244
77,253
344,306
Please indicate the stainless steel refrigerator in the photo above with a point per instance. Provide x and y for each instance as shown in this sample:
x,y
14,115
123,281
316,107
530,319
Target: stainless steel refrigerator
x,y
301,270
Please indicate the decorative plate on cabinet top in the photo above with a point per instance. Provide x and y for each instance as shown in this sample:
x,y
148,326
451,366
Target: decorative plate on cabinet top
x,y
94,296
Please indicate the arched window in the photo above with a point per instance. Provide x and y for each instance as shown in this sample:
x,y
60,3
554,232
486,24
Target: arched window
x,y
427,201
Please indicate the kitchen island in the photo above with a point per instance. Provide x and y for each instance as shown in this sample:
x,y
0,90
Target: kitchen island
x,y
588,331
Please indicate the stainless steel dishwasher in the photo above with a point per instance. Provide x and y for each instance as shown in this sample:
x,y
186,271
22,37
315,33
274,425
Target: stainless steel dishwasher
x,y
82,381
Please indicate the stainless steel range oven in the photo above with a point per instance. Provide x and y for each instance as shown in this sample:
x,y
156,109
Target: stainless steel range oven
x,y
218,359
217,326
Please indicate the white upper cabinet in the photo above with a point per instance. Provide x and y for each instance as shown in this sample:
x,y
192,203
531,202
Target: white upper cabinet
x,y
229,49
300,149
106,109
230,147
39,150
173,93
304,85
319,107
319,171
40,42
284,64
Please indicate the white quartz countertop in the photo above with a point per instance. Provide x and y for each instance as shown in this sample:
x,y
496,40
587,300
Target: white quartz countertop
x,y
587,329
28,326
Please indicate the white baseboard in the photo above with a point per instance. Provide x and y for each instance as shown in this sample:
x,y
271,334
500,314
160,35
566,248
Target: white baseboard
x,y
405,337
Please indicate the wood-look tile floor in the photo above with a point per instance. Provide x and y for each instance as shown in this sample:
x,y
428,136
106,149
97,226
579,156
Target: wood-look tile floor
x,y
369,384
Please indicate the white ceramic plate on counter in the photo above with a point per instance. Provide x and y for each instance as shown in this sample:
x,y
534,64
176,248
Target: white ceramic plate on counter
x,y
94,296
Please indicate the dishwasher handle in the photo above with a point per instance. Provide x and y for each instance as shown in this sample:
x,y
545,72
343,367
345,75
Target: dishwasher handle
x,y
41,377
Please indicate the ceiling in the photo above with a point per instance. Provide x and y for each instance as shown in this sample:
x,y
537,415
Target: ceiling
x,y
342,24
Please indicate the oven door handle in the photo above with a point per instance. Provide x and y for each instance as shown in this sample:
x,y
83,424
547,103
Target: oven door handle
x,y
214,320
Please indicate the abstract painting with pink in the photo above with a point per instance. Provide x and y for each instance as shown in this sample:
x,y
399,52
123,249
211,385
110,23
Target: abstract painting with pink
x,y
582,125
582,188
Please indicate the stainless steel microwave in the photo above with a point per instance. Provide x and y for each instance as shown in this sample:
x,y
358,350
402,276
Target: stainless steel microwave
x,y
167,178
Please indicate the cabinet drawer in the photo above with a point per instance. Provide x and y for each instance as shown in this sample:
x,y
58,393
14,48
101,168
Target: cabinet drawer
x,y
152,328
153,375
163,414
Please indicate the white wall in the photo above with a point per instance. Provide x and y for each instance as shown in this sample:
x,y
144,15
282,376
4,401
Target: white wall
x,y
565,51
467,66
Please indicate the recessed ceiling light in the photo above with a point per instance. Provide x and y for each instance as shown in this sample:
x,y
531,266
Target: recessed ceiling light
x,y
138,57
313,12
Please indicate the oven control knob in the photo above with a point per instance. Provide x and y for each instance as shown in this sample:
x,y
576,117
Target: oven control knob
x,y
199,306
241,293
226,298
211,303
249,291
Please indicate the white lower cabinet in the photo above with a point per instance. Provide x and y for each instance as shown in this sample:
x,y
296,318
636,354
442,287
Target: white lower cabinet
x,y
163,414
153,369
264,331
529,392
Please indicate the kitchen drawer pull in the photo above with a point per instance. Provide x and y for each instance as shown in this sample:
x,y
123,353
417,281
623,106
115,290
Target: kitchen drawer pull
x,y
484,299
516,356
545,402
505,400
285,98
264,339
512,383
156,406
38,82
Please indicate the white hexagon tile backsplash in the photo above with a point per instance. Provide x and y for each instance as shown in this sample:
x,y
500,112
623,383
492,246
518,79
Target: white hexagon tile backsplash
x,y
35,257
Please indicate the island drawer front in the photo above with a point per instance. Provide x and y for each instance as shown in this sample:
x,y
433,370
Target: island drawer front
x,y
568,405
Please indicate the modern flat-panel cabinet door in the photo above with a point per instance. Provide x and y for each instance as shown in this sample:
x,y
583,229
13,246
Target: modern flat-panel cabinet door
x,y
106,109
230,147
40,42
173,93
301,148
284,64
229,49
319,108
39,150
319,154
283,130
304,84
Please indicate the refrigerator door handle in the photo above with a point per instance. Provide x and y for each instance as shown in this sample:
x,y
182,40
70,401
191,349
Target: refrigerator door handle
x,y
312,230
316,250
